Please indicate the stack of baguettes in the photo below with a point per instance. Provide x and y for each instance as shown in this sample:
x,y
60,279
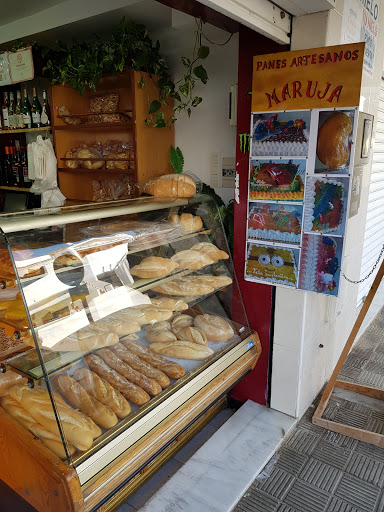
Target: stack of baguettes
x,y
95,397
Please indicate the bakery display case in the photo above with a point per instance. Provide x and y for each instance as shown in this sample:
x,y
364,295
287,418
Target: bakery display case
x,y
128,330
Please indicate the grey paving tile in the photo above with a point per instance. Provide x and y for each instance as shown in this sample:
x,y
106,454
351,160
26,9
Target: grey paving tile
x,y
291,461
370,450
371,379
259,501
323,476
335,456
375,366
350,372
375,424
355,362
380,505
351,418
358,493
286,508
338,505
278,483
303,441
340,439
366,468
306,498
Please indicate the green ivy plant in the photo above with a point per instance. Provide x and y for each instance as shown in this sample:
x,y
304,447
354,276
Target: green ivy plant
x,y
83,64
176,159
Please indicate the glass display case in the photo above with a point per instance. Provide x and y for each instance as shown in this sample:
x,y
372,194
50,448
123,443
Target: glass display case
x,y
121,313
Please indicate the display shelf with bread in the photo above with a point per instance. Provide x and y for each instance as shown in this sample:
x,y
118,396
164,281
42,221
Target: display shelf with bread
x,y
128,318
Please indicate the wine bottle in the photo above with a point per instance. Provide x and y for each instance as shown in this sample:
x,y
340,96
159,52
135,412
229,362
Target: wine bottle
x,y
24,165
27,119
5,111
7,167
15,166
46,112
18,112
36,110
11,112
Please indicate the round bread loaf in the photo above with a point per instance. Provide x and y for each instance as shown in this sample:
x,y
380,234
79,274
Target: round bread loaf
x,y
331,148
215,327
160,336
191,334
182,321
171,185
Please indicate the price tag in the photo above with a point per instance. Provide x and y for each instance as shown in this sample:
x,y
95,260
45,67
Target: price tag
x,y
21,65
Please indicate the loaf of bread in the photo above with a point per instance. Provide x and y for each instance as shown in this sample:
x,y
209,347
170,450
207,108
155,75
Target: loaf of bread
x,y
171,185
183,286
118,325
173,370
155,314
132,314
158,326
86,343
131,392
95,430
51,440
187,221
215,327
78,397
191,260
211,251
169,303
332,149
153,266
111,359
103,392
192,334
160,336
141,366
79,430
183,350
182,321
215,281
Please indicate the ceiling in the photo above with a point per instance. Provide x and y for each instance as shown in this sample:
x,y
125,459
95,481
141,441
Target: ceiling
x,y
24,8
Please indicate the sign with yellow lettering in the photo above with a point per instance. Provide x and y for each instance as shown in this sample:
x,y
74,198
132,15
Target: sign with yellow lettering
x,y
328,77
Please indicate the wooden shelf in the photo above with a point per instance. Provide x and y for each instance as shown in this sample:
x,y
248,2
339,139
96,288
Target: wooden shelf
x,y
91,126
16,189
96,171
26,130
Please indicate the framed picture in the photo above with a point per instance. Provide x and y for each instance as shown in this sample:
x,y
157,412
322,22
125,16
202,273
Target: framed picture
x,y
367,138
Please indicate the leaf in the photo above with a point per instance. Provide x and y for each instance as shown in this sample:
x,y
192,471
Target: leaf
x,y
196,101
159,117
200,72
184,89
189,112
176,95
160,124
203,52
154,106
186,61
176,159
148,122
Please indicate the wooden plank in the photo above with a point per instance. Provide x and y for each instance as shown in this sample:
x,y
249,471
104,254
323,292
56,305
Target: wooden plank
x,y
34,472
100,487
356,433
362,390
347,347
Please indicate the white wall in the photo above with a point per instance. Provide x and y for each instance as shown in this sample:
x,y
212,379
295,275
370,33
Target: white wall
x,y
304,320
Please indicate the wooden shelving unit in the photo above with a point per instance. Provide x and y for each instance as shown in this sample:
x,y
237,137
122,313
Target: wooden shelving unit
x,y
17,189
150,145
27,130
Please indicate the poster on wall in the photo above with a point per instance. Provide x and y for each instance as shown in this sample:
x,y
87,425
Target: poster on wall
x,y
302,139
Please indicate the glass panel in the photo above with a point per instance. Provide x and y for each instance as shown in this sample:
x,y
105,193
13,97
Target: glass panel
x,y
117,308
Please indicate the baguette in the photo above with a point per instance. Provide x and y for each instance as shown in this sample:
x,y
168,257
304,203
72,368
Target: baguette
x,y
131,392
173,370
183,350
86,344
169,303
37,402
103,391
149,385
171,185
153,266
49,439
77,396
215,281
191,260
210,250
141,366
183,286
118,326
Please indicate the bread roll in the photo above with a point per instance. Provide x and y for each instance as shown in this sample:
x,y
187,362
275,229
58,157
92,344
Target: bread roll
x,y
149,385
215,327
171,185
131,392
86,343
168,303
173,370
160,336
132,314
211,251
79,431
191,260
191,334
103,392
215,281
49,439
182,350
183,286
77,396
158,326
182,321
153,266
155,314
187,221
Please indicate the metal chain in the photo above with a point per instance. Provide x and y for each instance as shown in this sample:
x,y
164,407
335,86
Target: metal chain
x,y
370,273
